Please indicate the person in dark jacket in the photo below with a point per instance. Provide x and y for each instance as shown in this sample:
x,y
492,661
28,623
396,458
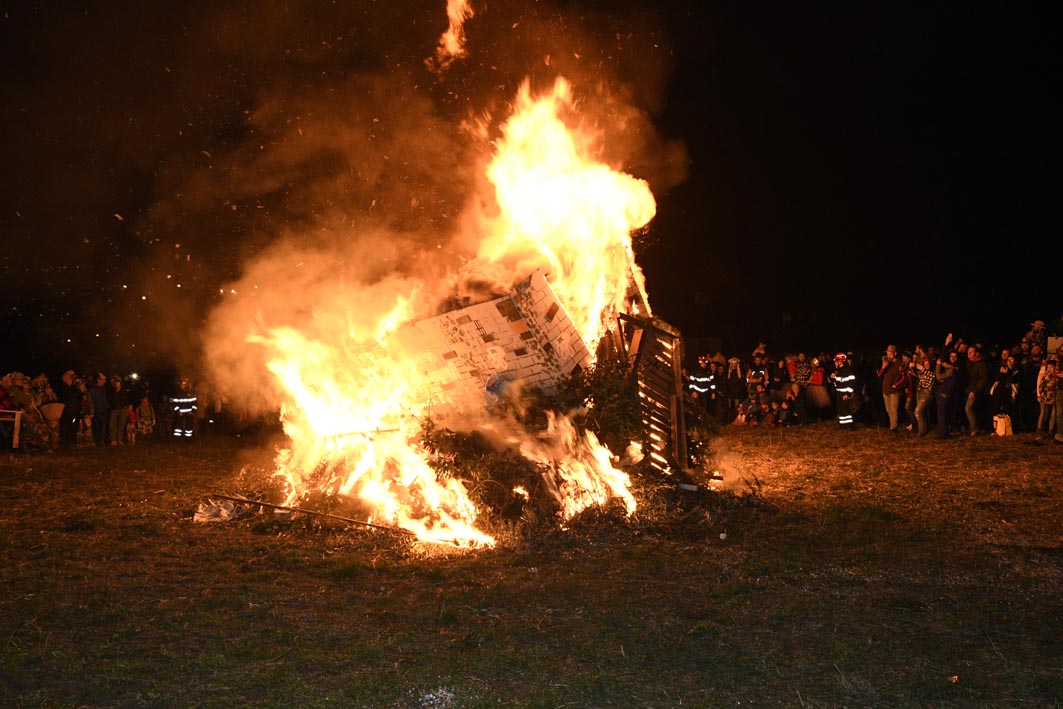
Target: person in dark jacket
x,y
948,379
1026,406
977,388
68,394
100,409
1004,387
118,399
734,387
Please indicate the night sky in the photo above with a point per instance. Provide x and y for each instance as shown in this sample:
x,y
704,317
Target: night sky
x,y
825,178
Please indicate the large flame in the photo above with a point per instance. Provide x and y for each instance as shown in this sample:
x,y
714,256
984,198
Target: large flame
x,y
562,208
355,404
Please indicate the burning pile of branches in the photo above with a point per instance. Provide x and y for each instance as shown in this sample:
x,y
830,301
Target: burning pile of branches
x,y
521,498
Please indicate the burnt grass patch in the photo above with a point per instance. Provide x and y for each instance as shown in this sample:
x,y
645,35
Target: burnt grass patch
x,y
828,569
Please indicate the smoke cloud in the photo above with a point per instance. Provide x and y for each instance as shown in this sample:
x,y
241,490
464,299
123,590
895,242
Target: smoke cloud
x,y
255,161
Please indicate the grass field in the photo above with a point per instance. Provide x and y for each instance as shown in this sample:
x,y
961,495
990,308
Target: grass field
x,y
831,569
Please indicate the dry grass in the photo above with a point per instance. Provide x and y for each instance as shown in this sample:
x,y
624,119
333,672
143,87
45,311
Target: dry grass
x,y
834,569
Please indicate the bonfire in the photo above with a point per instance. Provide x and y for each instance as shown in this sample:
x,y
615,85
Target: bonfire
x,y
541,291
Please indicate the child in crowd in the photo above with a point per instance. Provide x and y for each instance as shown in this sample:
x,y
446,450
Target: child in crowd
x,y
131,426
145,418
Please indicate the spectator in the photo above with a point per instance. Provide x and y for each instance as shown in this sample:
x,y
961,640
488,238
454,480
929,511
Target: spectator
x,y
819,402
100,408
977,386
773,417
1004,387
893,383
800,373
1059,403
119,411
756,374
735,387
911,383
1047,383
1038,334
131,425
957,417
1026,408
717,396
945,372
1024,351
69,396
778,379
924,392
84,435
794,404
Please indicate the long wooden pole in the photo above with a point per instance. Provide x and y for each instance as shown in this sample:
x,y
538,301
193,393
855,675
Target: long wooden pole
x,y
397,530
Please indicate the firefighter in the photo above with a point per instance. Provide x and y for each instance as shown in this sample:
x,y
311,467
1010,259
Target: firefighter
x,y
844,380
700,383
184,405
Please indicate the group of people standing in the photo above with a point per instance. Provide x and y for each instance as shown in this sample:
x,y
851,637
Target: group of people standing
x,y
116,411
970,389
103,410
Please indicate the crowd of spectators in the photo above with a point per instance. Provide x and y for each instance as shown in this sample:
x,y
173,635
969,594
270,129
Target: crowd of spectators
x,y
95,409
81,410
952,388
948,389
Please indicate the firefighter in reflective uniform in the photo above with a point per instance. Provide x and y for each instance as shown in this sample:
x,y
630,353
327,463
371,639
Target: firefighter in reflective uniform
x,y
701,383
844,380
184,405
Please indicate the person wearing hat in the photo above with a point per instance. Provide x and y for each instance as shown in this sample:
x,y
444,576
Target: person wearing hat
x,y
1038,333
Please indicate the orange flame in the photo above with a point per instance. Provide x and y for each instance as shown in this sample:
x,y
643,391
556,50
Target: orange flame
x,y
452,42
559,206
583,474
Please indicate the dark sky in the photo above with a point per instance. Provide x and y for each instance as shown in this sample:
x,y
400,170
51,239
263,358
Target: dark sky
x,y
852,176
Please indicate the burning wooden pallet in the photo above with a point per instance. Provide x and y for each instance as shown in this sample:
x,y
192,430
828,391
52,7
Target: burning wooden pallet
x,y
655,351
